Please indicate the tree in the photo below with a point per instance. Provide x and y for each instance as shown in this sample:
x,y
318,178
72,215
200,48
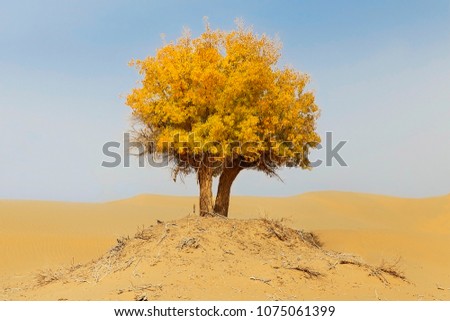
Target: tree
x,y
218,104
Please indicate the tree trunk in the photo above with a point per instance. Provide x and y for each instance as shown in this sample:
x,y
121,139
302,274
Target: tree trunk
x,y
224,189
205,179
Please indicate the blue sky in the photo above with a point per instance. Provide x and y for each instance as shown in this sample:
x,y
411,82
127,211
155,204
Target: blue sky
x,y
380,70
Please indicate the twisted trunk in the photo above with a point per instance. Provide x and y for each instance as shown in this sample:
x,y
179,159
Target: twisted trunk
x,y
224,189
205,179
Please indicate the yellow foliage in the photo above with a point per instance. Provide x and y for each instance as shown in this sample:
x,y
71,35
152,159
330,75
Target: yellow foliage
x,y
224,87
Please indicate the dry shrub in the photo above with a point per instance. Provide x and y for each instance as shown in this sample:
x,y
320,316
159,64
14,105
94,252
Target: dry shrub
x,y
188,242
283,233
276,228
120,245
392,269
143,234
48,276
310,238
379,271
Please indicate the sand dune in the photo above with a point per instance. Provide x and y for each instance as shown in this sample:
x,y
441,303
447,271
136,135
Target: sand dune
x,y
50,235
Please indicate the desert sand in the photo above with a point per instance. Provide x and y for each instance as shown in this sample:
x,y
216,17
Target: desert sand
x,y
151,247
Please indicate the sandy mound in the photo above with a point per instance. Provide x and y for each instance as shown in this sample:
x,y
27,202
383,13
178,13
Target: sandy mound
x,y
217,259
61,239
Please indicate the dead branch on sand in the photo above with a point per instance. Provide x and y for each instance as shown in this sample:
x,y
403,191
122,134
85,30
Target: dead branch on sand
x,y
266,281
166,231
309,273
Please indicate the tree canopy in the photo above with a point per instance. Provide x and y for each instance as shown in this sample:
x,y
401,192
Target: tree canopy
x,y
219,103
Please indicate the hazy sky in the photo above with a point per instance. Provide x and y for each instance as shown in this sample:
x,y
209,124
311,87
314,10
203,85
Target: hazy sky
x,y
380,70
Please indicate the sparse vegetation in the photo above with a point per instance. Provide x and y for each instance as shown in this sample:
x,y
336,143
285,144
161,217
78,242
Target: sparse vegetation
x,y
189,242
379,271
293,256
310,238
48,276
